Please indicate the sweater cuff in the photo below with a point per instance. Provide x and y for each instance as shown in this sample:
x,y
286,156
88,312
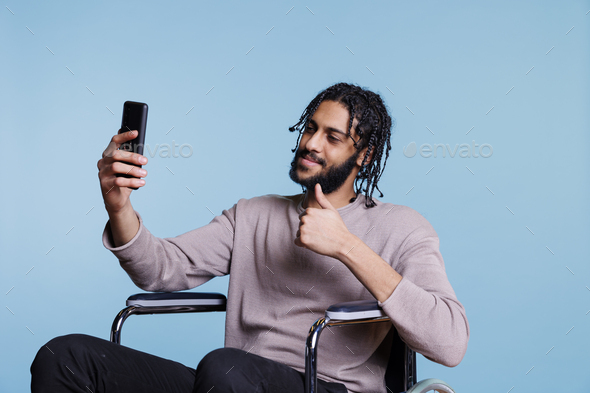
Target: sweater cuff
x,y
129,249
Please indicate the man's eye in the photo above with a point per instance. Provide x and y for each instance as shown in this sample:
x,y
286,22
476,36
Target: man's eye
x,y
334,138
309,129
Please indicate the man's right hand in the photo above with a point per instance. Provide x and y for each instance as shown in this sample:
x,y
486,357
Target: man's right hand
x,y
116,190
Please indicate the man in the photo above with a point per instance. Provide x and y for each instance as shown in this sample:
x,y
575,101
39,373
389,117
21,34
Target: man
x,y
289,258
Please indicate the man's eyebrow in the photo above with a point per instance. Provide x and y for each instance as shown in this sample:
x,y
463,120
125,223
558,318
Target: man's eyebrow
x,y
331,129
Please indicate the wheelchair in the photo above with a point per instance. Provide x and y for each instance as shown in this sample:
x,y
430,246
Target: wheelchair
x,y
400,375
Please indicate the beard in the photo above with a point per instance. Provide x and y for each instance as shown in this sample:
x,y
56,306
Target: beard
x,y
331,180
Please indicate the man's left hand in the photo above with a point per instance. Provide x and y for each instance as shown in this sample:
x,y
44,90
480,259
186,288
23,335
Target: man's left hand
x,y
322,230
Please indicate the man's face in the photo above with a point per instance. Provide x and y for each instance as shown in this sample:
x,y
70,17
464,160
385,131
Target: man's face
x,y
326,154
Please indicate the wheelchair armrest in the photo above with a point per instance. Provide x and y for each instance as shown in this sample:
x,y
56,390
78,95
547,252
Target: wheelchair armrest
x,y
348,313
174,299
357,310
166,303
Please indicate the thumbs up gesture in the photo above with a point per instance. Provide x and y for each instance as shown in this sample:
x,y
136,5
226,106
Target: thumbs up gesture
x,y
321,229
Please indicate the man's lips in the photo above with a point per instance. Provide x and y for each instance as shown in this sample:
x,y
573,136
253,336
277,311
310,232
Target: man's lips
x,y
308,161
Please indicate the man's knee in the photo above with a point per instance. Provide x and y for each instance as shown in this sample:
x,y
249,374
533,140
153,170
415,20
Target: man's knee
x,y
53,358
218,360
215,368
54,351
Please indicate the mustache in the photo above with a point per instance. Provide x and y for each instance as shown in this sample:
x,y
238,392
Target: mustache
x,y
303,153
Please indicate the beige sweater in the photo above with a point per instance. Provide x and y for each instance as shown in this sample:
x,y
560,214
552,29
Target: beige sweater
x,y
277,290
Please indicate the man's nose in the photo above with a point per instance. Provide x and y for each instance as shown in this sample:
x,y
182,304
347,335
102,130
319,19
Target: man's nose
x,y
314,142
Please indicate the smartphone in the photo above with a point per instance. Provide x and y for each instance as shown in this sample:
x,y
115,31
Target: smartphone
x,y
134,118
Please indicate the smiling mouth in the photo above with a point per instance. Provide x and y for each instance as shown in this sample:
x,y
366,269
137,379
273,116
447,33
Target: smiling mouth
x,y
308,161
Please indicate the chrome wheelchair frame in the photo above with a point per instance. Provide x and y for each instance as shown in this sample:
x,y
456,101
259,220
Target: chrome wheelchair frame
x,y
341,314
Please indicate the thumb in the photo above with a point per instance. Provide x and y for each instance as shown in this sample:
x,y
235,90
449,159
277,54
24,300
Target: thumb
x,y
321,198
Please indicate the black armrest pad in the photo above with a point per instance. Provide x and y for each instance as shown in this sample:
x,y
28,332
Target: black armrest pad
x,y
360,309
159,299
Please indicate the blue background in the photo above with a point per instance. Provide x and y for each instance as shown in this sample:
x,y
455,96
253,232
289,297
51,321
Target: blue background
x,y
513,227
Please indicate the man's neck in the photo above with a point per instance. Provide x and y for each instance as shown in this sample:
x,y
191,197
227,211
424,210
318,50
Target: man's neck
x,y
338,199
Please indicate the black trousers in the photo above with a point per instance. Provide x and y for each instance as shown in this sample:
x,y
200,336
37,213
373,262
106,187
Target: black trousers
x,y
80,363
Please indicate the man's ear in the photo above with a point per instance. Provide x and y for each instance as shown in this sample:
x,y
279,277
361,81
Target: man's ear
x,y
361,156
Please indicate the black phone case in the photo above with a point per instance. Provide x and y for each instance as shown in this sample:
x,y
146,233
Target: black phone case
x,y
134,118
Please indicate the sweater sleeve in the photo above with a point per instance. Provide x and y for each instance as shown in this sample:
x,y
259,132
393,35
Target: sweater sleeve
x,y
423,307
176,263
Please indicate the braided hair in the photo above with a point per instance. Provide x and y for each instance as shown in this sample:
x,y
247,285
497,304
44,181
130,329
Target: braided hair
x,y
373,128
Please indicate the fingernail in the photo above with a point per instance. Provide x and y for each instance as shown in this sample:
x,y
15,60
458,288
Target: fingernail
x,y
143,160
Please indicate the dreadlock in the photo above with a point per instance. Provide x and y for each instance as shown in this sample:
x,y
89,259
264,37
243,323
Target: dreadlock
x,y
373,128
